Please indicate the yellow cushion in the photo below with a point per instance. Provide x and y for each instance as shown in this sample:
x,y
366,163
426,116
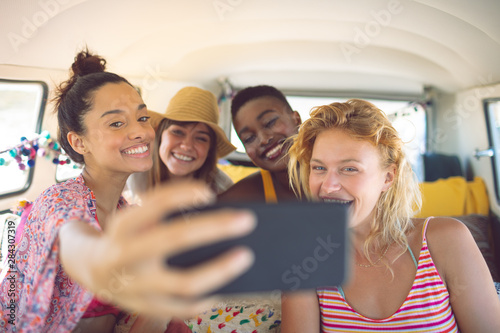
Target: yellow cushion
x,y
237,172
444,197
477,197
454,196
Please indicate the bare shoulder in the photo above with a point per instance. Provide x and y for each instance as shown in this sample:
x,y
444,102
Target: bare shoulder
x,y
446,228
451,246
439,227
249,188
442,234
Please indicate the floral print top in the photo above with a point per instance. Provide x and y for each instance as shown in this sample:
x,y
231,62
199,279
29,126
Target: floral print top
x,y
36,294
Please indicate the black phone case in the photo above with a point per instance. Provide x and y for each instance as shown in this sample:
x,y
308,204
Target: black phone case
x,y
299,245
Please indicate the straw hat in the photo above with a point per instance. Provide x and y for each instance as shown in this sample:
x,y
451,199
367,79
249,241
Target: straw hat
x,y
195,104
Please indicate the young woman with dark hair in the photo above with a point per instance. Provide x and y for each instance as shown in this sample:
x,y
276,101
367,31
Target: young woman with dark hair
x,y
82,257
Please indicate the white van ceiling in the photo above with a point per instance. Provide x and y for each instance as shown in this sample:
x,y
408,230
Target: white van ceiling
x,y
387,46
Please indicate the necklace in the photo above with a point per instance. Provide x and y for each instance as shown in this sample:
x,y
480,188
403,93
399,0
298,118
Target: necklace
x,y
378,260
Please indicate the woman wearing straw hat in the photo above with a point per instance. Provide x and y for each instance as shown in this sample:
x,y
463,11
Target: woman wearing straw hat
x,y
188,142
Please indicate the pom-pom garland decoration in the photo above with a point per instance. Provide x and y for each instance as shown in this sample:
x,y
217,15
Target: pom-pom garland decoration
x,y
42,145
20,206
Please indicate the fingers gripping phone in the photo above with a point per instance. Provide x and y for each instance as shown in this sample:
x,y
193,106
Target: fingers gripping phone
x,y
297,245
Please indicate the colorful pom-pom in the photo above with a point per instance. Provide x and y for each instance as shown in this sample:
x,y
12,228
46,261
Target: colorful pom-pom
x,y
42,142
25,154
45,134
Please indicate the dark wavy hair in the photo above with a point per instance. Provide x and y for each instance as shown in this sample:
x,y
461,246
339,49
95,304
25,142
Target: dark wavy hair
x,y
75,96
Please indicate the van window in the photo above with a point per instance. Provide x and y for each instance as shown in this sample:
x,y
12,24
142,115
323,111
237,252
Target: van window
x,y
22,104
492,110
409,119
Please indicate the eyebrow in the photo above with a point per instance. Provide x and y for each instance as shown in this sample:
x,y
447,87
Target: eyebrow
x,y
263,113
259,117
140,107
347,160
203,132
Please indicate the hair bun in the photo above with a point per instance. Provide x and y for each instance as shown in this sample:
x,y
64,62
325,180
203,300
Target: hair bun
x,y
87,63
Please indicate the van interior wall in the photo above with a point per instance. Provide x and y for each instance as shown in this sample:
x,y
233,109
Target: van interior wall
x,y
157,92
458,127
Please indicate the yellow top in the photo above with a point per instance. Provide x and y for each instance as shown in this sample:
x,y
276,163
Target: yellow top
x,y
269,192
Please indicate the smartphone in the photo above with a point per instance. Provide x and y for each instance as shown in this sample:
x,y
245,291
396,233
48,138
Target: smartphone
x,y
297,245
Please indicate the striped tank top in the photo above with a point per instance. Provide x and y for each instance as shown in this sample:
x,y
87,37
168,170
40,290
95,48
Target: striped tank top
x,y
425,309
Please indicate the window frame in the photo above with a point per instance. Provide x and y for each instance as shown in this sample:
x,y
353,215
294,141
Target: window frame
x,y
38,128
493,143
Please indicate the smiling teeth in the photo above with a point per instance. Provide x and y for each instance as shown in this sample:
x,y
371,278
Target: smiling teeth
x,y
337,201
183,157
138,150
273,151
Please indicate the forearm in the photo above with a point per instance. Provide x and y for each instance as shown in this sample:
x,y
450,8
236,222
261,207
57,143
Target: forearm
x,y
126,262
79,244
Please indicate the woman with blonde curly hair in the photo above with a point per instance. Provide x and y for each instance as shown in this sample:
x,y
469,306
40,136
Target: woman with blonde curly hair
x,y
406,274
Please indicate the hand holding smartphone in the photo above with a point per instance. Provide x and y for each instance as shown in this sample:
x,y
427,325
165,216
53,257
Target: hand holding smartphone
x,y
297,245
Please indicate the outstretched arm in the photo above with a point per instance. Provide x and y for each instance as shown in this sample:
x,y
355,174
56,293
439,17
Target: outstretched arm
x,y
125,264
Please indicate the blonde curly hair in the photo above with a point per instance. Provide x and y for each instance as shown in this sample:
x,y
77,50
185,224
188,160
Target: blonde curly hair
x,y
364,121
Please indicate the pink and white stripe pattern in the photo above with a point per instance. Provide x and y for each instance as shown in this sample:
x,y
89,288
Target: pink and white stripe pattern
x,y
425,309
